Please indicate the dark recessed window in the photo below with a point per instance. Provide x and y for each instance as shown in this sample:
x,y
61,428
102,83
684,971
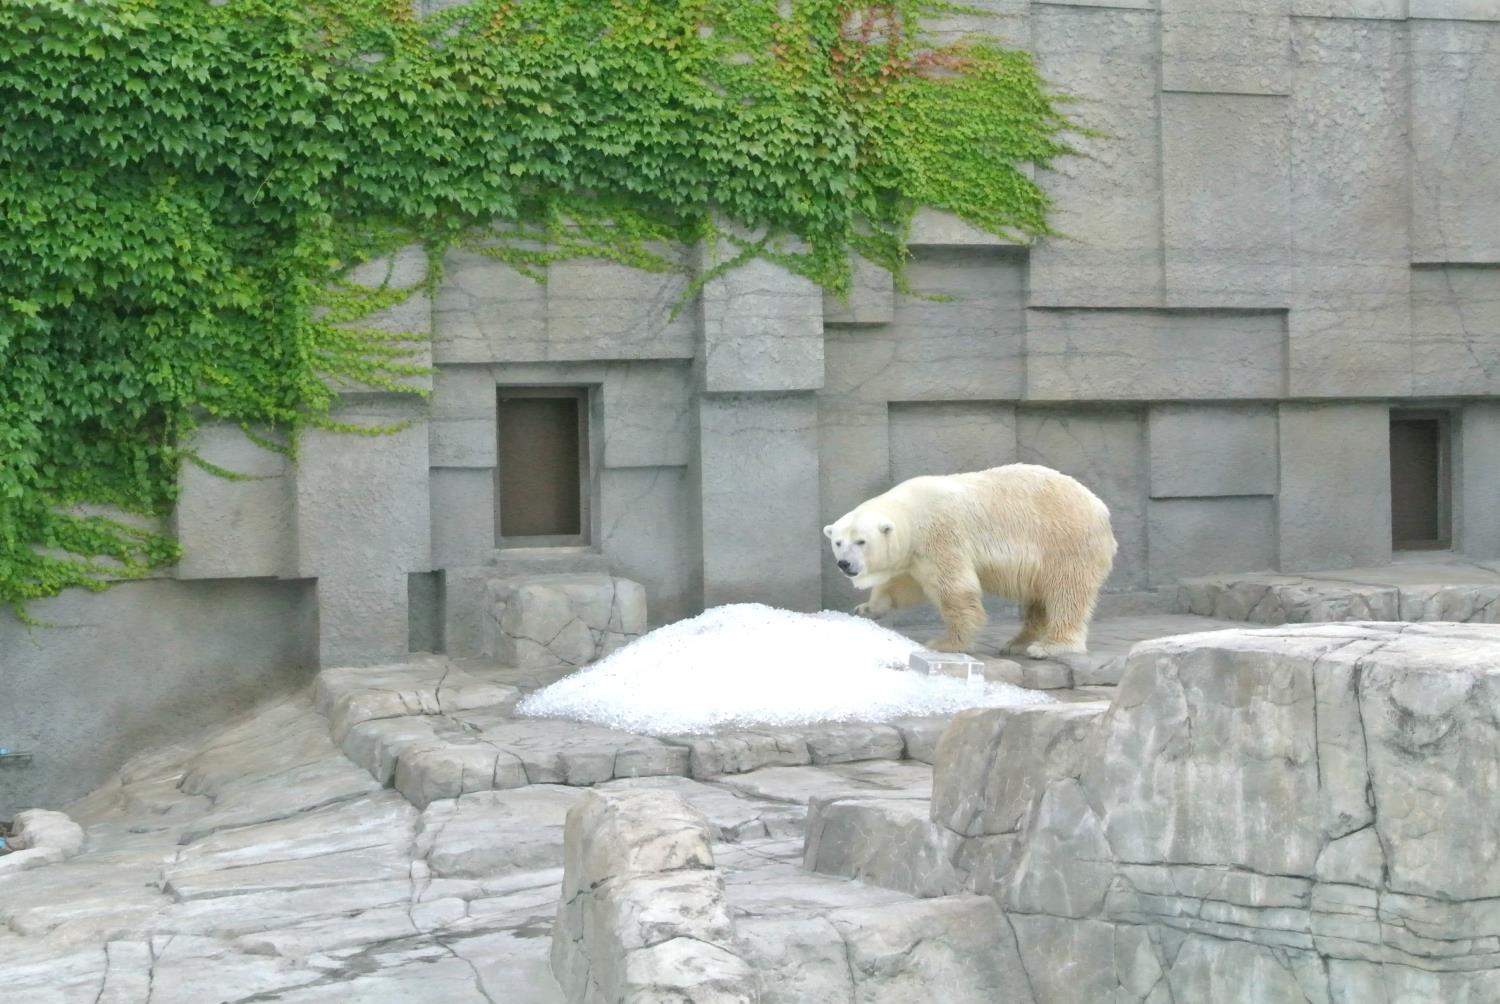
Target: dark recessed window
x,y
542,472
1421,515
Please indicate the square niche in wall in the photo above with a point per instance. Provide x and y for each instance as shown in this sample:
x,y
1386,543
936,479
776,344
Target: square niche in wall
x,y
542,477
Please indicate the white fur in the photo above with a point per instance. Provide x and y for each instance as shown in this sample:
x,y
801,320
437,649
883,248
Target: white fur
x,y
1025,532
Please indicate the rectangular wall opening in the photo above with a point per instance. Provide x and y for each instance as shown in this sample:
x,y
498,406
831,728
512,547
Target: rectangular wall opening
x,y
542,475
1421,484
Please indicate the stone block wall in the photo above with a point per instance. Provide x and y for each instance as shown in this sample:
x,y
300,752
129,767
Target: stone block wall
x,y
1284,227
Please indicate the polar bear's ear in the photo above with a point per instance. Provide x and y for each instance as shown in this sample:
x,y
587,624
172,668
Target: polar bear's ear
x,y
828,531
886,526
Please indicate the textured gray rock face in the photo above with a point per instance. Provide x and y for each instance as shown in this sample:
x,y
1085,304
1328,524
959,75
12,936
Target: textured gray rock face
x,y
643,914
1468,593
547,620
1303,813
41,837
992,763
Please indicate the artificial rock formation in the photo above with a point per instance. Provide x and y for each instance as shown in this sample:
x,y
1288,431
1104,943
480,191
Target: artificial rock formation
x,y
550,620
1290,814
1281,815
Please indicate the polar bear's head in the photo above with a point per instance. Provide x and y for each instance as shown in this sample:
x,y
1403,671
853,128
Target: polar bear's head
x,y
865,546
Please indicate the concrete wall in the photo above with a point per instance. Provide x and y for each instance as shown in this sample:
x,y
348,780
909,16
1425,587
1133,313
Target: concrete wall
x,y
1286,225
140,665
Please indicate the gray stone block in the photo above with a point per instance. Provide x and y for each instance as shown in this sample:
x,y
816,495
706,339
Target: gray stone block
x,y
959,943
350,696
405,269
848,743
1455,83
992,764
1172,680
362,500
1108,202
1138,355
550,620
362,617
1349,329
1204,450
762,327
885,842
1428,730
461,426
1227,46
643,914
1334,510
872,296
233,528
741,752
463,515
604,310
921,736
937,228
1198,536
1476,489
967,347
758,464
1456,10
947,438
642,515
489,834
1263,599
854,465
797,959
1003,19
1455,312
647,415
485,311
1062,865
1107,452
1393,10
1226,206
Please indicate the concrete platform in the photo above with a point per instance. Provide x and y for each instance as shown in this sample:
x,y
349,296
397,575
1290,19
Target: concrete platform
x,y
1447,588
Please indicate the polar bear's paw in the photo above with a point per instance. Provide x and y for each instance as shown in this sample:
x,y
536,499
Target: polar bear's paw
x,y
1042,650
947,643
1016,646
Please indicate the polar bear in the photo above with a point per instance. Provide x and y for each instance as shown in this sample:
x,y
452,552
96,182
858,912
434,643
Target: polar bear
x,y
1022,531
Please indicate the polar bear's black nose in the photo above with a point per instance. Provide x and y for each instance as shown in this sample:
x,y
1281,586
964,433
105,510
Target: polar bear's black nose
x,y
844,565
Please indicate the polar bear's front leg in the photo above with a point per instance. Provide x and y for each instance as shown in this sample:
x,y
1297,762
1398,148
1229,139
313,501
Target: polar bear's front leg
x,y
962,607
893,594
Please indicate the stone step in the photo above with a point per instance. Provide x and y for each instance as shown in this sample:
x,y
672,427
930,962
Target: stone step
x,y
1408,593
1109,644
992,765
652,910
958,949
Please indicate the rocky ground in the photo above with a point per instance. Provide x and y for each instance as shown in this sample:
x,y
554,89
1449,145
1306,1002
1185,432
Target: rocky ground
x,y
395,834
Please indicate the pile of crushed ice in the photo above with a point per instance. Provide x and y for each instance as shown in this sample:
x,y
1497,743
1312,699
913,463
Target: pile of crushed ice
x,y
748,664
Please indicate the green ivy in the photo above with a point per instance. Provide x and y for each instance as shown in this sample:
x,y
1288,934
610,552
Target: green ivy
x,y
184,187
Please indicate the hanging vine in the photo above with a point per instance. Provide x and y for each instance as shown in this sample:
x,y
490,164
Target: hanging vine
x,y
184,187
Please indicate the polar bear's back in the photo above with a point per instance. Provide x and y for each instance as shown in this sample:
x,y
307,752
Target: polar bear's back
x,y
1016,514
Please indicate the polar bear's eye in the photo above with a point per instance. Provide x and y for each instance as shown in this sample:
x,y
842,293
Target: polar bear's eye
x,y
860,543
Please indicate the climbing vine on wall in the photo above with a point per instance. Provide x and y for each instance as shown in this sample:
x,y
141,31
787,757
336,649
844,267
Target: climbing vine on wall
x,y
184,184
